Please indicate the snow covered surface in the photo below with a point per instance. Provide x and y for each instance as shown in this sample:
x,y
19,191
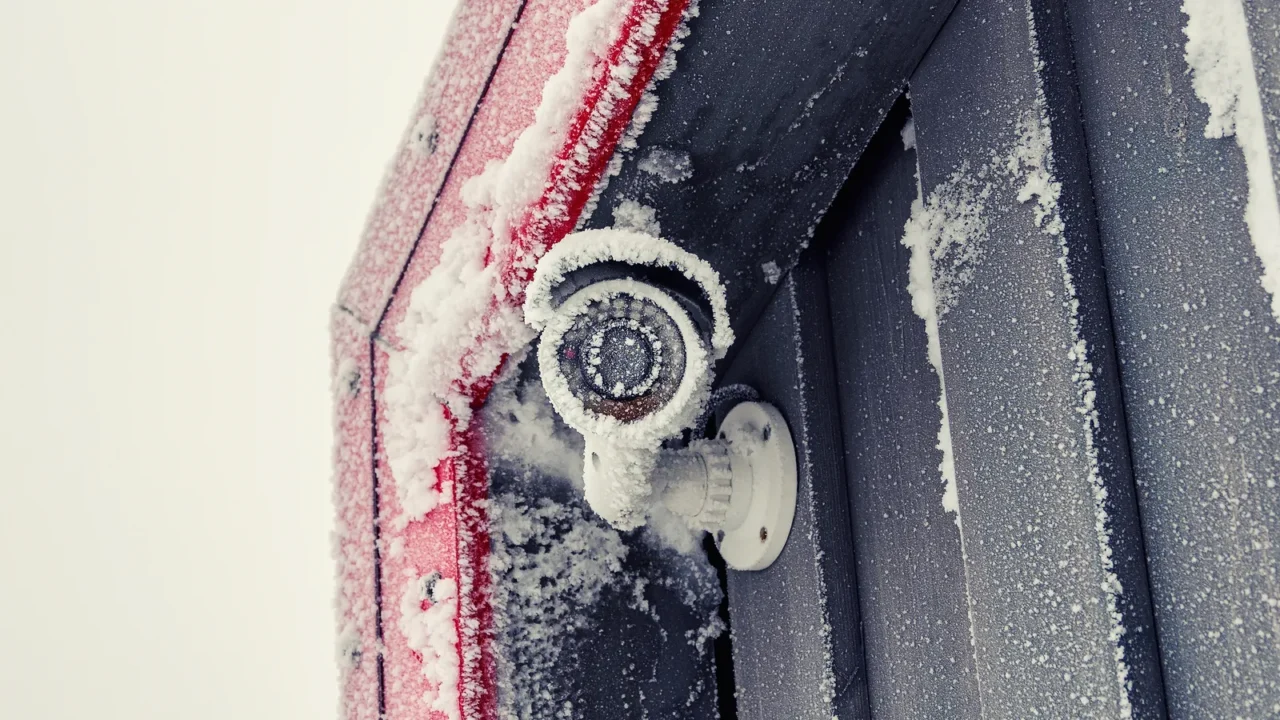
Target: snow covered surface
x,y
417,172
671,166
632,215
467,296
516,185
356,594
796,664
455,304
1018,428
560,575
1035,164
945,234
428,620
1220,58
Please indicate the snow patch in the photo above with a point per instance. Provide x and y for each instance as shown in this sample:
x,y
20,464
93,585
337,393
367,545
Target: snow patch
x,y
631,215
671,166
414,449
944,234
556,570
644,111
1220,58
428,608
669,530
523,430
772,273
908,134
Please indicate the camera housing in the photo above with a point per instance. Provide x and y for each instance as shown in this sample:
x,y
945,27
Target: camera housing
x,y
631,326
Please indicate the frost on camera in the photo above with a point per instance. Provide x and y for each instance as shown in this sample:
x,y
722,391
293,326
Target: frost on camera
x,y
589,247
585,617
624,433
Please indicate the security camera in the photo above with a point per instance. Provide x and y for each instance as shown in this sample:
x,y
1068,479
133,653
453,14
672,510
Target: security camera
x,y
631,326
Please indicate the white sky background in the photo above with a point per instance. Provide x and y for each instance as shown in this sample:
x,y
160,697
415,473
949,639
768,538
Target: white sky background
x,y
182,185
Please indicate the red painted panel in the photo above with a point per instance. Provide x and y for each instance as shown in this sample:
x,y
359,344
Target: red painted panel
x,y
353,534
470,51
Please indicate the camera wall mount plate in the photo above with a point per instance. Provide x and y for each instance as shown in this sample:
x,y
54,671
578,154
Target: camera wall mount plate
x,y
758,434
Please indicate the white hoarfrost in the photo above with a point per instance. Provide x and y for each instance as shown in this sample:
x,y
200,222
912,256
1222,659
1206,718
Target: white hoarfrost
x,y
524,431
671,166
549,562
645,108
428,610
1032,161
1219,55
944,234
633,248
631,215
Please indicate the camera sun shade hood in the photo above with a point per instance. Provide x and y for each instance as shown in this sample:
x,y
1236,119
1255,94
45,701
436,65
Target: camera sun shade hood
x,y
594,247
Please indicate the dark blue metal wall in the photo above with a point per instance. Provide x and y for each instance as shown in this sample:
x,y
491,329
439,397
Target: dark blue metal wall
x,y
1111,362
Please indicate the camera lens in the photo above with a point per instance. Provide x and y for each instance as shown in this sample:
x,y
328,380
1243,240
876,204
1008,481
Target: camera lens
x,y
622,356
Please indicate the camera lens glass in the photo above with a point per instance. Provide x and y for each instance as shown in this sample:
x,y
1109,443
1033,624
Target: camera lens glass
x,y
623,356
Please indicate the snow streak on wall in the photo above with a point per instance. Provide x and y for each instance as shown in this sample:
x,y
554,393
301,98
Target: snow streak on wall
x,y
995,275
1220,58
